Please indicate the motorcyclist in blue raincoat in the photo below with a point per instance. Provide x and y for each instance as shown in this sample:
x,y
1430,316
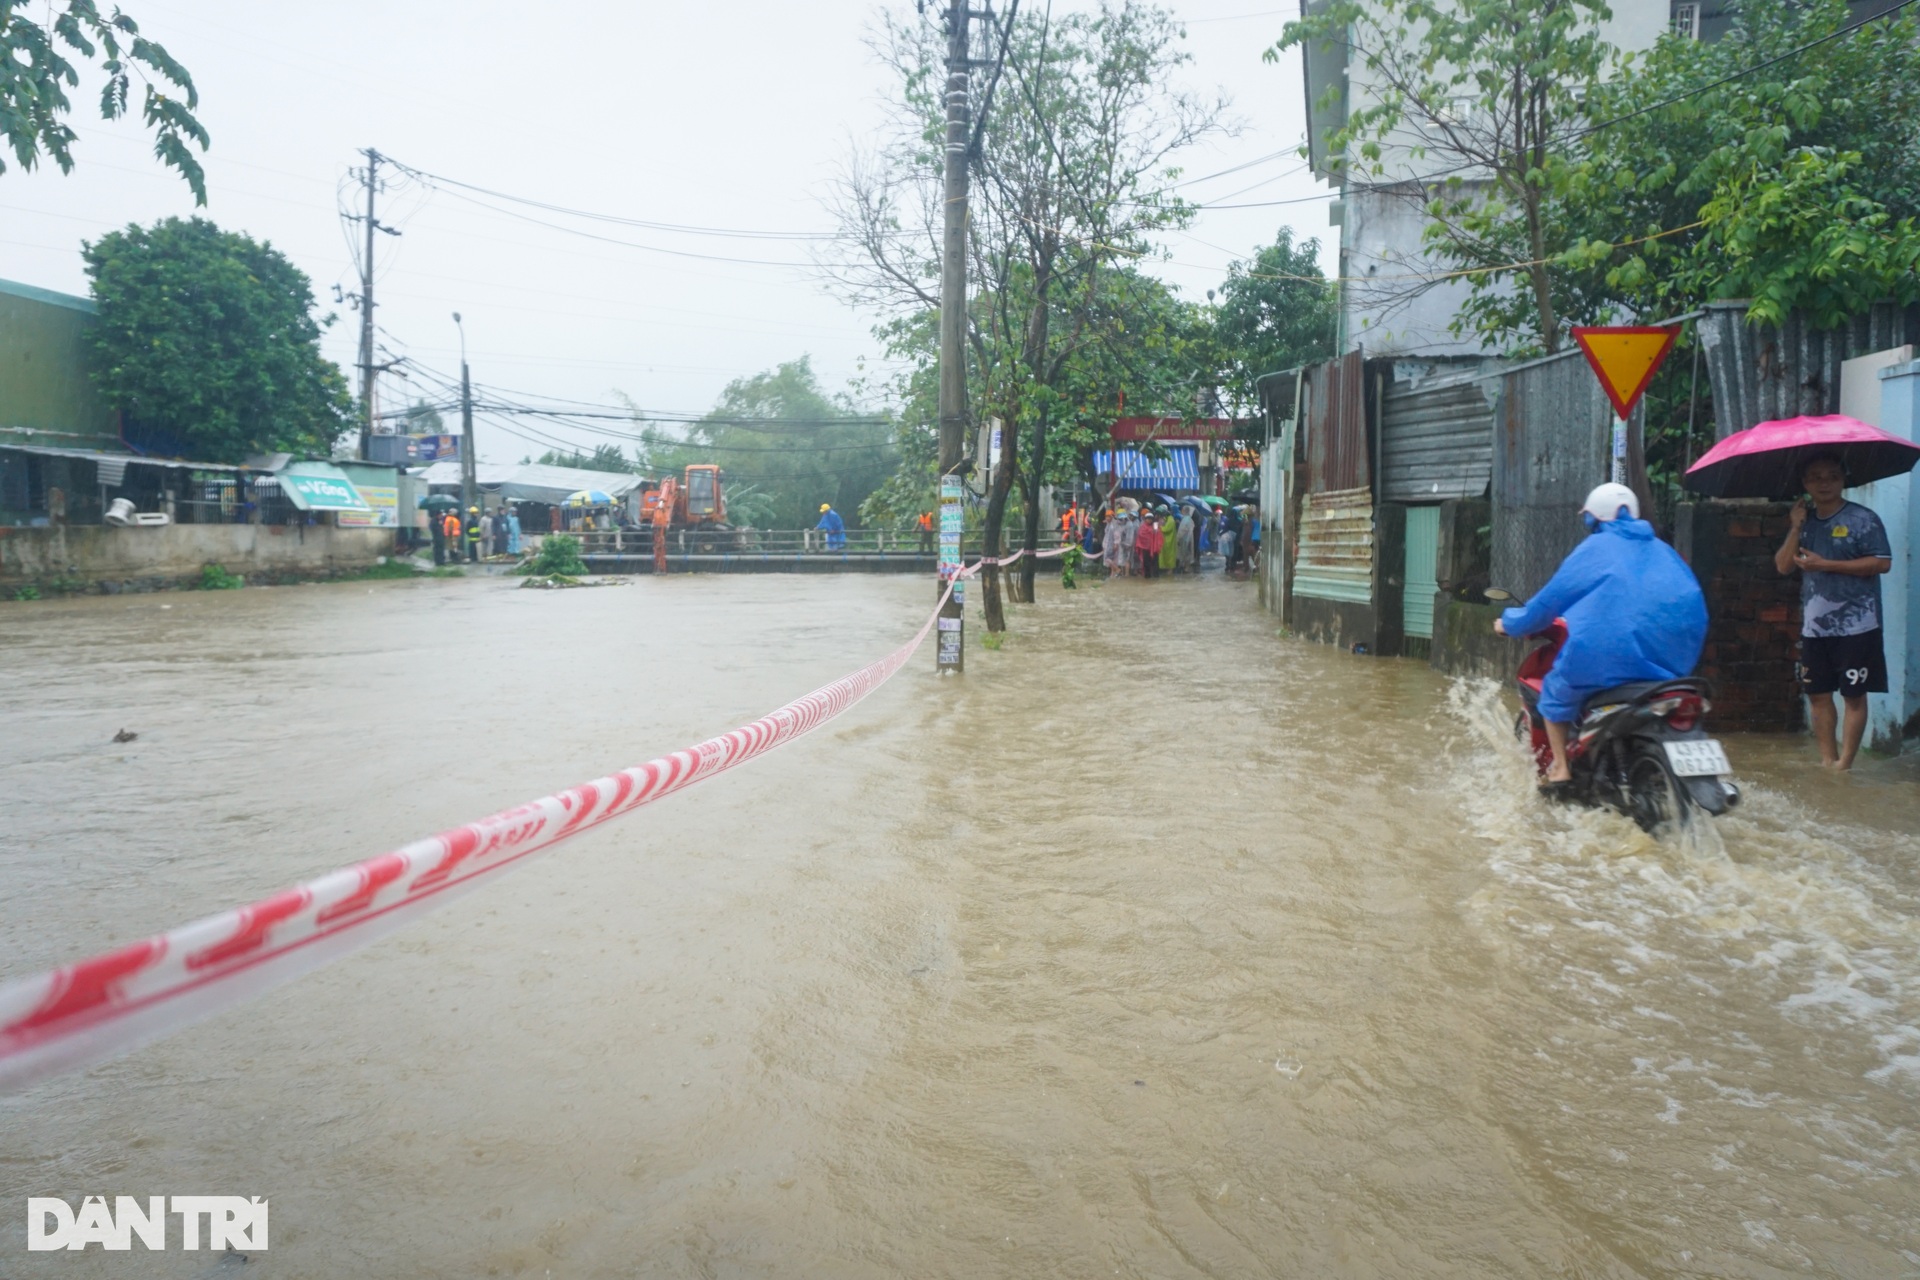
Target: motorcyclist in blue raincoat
x,y
835,527
1633,612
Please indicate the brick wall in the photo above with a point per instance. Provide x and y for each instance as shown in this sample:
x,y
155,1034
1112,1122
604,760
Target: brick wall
x,y
1753,613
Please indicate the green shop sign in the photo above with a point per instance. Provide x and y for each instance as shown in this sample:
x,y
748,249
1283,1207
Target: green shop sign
x,y
311,489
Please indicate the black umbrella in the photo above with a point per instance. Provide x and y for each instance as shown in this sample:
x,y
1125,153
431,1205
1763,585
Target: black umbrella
x,y
439,502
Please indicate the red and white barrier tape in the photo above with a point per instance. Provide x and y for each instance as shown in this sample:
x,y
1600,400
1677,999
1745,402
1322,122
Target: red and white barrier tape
x,y
1004,561
82,1013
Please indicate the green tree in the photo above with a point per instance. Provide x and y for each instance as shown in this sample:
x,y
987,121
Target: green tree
x,y
1275,312
780,433
605,457
1146,349
36,71
1471,109
1780,163
1753,167
424,420
211,336
1071,169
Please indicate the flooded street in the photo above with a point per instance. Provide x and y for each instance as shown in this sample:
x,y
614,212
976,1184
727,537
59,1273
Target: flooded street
x,y
1157,945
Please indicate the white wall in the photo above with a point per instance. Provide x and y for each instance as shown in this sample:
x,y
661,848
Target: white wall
x,y
1380,234
1381,242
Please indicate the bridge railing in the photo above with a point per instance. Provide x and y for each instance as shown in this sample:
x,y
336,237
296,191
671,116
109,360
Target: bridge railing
x,y
778,542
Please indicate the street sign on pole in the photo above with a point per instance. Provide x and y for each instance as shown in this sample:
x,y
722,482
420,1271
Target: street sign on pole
x,y
1624,357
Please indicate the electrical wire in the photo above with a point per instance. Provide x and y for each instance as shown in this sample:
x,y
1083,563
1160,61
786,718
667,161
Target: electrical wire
x,y
1596,127
628,244
1839,34
616,219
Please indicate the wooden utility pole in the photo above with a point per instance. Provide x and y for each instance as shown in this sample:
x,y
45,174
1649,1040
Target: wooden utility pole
x,y
950,654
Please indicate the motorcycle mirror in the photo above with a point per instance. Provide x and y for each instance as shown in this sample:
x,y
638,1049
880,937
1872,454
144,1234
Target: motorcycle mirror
x,y
1497,593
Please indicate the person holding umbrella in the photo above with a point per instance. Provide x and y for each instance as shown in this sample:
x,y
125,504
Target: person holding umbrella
x,y
1839,549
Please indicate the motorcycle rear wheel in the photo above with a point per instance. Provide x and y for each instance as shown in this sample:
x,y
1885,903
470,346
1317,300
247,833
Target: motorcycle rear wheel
x,y
1655,799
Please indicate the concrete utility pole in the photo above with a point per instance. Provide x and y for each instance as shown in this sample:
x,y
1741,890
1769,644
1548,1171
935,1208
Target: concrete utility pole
x,y
366,309
950,655
469,463
370,176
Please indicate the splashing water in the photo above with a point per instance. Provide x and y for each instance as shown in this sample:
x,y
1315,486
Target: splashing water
x,y
1764,962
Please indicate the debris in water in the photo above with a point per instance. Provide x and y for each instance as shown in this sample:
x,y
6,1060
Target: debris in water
x,y
124,736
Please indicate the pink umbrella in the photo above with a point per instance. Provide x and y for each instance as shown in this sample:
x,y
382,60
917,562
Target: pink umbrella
x,y
1765,461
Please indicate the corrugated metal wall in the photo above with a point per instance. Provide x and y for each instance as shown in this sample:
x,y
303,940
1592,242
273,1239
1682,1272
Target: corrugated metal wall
x,y
1336,414
1760,374
1436,442
1273,552
1336,546
1335,560
1553,429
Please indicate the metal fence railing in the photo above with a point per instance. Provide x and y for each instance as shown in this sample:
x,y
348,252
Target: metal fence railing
x,y
780,542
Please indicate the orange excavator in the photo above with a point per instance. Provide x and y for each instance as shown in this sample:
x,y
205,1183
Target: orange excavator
x,y
696,503
690,503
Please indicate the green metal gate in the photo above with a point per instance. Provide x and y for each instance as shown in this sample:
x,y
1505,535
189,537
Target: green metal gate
x,y
1420,576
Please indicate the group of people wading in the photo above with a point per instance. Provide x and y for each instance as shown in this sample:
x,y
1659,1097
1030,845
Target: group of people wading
x,y
1157,542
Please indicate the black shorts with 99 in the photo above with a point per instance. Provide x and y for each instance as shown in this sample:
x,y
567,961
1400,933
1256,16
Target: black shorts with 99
x,y
1852,666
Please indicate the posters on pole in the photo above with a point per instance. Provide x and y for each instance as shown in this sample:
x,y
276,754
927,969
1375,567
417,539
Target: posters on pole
x,y
953,516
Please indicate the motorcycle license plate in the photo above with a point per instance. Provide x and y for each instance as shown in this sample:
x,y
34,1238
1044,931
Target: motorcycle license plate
x,y
1697,758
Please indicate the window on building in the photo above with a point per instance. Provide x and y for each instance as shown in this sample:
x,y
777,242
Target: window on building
x,y
1686,20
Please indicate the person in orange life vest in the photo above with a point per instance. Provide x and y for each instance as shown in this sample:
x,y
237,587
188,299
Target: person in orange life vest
x,y
925,521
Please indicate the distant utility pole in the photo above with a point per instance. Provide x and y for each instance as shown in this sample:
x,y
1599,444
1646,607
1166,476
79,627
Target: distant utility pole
x,y
951,653
370,178
469,464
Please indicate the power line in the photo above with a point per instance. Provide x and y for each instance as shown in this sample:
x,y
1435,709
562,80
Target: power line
x,y
629,244
588,409
770,424
1843,32
659,442
536,437
682,228
1588,131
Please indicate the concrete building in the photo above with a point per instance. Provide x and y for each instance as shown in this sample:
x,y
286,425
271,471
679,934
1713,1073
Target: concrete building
x,y
43,379
1386,306
80,508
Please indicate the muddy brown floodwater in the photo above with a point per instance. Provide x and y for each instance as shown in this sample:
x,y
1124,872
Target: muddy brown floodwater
x,y
1157,945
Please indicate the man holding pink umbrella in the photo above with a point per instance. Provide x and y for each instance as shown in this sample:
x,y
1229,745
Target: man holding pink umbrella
x,y
1840,549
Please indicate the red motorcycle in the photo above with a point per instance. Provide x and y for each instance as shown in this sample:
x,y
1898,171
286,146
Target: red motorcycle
x,y
1637,748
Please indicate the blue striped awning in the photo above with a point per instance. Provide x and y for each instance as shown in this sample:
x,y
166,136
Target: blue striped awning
x,y
1180,469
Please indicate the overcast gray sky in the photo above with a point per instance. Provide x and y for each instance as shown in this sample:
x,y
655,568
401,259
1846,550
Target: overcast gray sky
x,y
726,115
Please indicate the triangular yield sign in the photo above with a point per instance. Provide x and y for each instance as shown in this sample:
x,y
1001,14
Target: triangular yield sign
x,y
1625,357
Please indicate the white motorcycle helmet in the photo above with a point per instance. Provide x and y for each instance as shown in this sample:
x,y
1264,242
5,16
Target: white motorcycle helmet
x,y
1605,502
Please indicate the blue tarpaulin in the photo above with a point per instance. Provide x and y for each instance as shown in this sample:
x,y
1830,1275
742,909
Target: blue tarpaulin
x,y
1180,469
